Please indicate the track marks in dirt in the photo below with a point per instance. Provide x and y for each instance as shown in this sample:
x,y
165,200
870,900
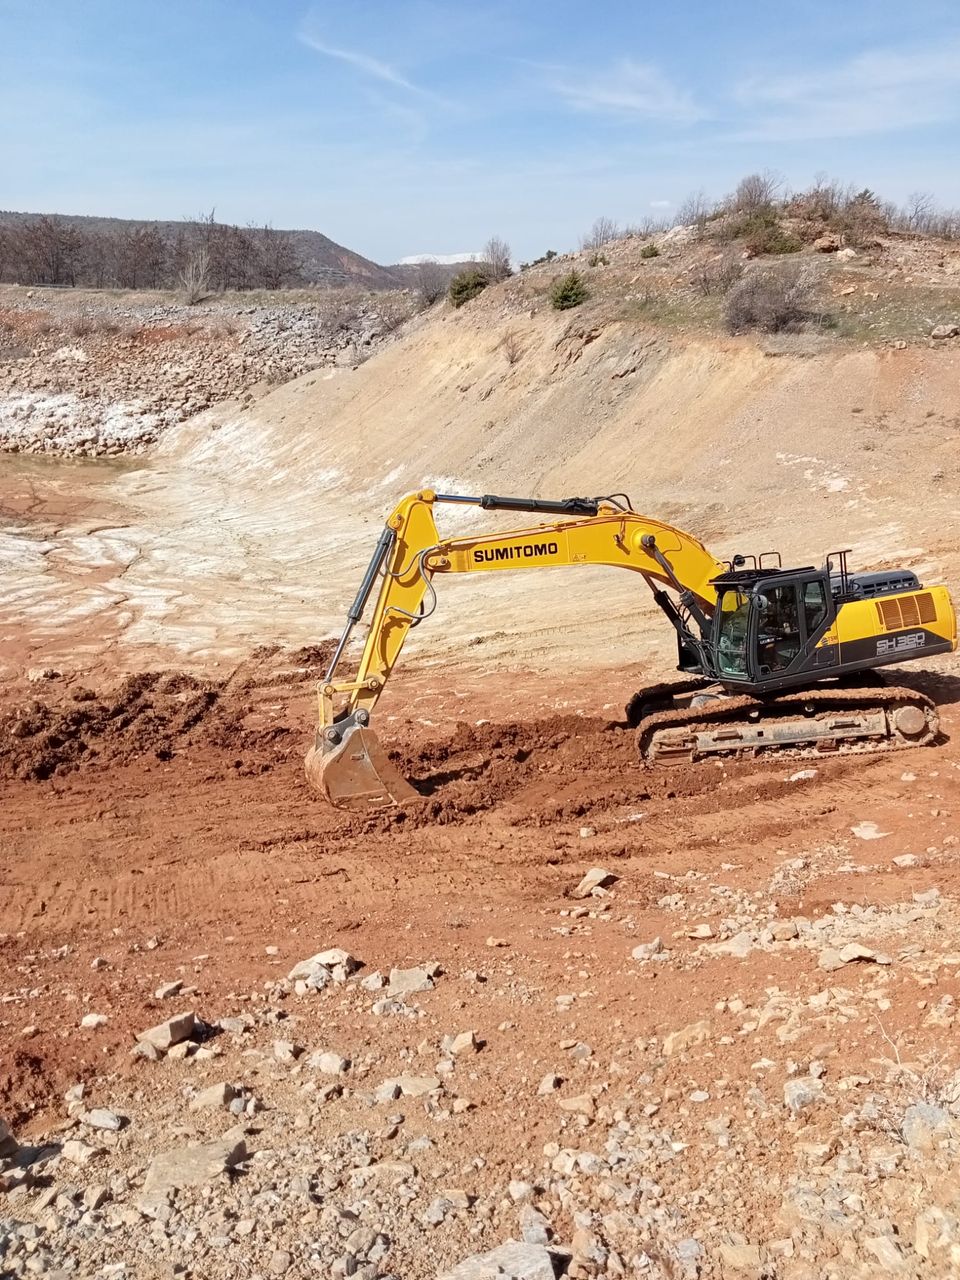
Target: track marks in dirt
x,y
228,825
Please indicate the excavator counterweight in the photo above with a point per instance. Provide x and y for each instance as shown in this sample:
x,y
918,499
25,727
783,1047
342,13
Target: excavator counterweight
x,y
778,661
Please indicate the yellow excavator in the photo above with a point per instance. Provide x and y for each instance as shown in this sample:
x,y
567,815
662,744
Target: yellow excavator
x,y
779,661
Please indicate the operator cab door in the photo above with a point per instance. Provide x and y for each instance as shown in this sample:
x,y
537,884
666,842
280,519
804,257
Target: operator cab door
x,y
788,617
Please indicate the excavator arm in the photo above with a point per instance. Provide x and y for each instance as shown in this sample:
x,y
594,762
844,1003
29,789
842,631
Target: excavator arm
x,y
347,762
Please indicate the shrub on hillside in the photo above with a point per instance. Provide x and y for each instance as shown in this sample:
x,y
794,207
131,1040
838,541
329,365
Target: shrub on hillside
x,y
719,276
771,238
760,230
649,251
858,217
467,284
546,257
568,291
773,301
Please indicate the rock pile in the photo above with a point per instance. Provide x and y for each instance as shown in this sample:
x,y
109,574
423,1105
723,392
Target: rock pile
x,y
110,378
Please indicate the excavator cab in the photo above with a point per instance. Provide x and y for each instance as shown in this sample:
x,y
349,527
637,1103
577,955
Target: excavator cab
x,y
768,626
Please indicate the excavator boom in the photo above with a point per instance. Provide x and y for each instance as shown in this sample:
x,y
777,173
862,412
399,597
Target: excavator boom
x,y
347,763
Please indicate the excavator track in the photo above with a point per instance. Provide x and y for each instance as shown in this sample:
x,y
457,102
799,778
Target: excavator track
x,y
659,697
808,725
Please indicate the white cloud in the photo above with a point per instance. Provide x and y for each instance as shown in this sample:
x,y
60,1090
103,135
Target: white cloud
x,y
628,89
875,92
363,62
660,204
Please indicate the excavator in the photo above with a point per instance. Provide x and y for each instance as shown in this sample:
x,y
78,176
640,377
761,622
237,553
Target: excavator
x,y
778,661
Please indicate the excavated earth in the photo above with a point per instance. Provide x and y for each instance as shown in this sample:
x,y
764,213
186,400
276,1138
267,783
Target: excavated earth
x,y
735,1055
175,839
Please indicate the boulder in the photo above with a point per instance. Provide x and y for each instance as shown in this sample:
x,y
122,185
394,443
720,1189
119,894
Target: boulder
x,y
740,1257
102,1118
802,1092
925,1125
596,878
215,1095
336,963
405,982
193,1166
166,1034
647,950
465,1042
330,1064
417,1086
8,1143
509,1261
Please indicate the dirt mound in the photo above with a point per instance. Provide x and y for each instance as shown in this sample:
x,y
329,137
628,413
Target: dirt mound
x,y
484,766
556,769
149,714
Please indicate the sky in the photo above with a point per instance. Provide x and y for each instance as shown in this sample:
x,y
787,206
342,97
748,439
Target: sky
x,y
402,127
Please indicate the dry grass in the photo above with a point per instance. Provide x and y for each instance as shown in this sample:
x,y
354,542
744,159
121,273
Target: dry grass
x,y
512,347
85,324
881,312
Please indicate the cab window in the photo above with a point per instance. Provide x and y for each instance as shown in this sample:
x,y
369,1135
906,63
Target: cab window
x,y
778,631
814,605
734,615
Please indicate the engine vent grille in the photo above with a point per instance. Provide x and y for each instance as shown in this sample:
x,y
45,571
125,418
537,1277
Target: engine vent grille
x,y
899,613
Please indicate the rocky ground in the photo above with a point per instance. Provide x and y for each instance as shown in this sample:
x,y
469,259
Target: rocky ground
x,y
91,374
559,1017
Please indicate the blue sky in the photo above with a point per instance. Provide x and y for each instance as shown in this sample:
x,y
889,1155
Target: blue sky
x,y
407,126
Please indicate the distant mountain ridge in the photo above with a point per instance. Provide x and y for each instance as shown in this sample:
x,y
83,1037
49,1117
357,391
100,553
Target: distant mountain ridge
x,y
322,260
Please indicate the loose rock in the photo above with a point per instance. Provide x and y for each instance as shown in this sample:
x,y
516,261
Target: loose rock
x,y
595,878
167,1034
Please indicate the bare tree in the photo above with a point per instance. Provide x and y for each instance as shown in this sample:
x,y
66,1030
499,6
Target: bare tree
x,y
756,191
51,251
99,259
694,210
195,275
496,255
602,232
920,210
277,260
139,252
648,226
432,282
946,224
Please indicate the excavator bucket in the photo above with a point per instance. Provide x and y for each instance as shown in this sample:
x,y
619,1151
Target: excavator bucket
x,y
354,772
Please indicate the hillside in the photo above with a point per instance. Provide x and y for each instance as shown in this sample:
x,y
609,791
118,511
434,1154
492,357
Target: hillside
x,y
803,442
321,260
